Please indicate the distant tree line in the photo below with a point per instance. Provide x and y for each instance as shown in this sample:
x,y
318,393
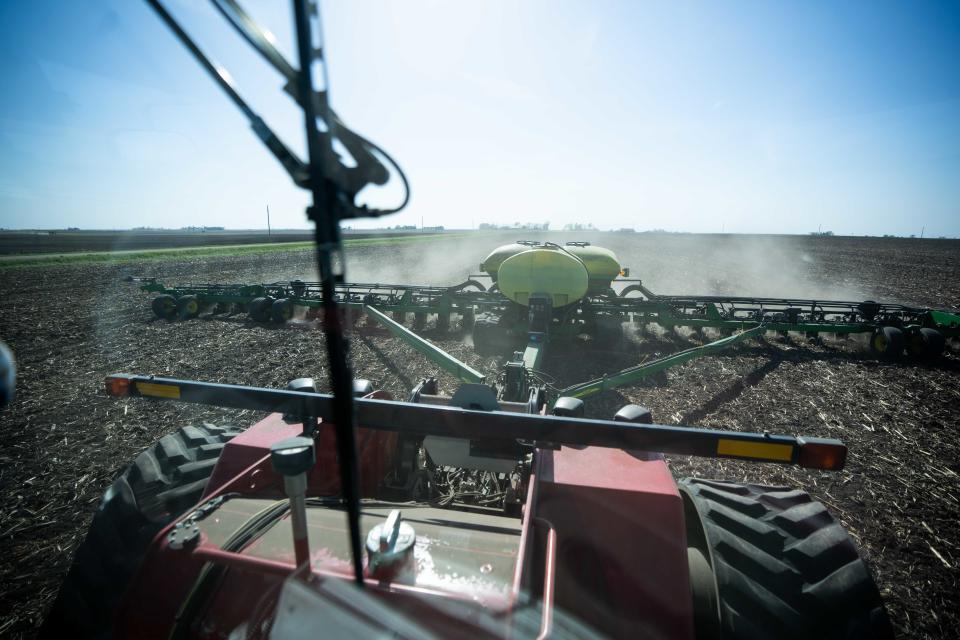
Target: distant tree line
x,y
412,227
525,226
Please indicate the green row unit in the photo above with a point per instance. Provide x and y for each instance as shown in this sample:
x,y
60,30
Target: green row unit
x,y
278,301
595,315
500,324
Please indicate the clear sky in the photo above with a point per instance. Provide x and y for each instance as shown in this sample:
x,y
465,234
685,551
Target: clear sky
x,y
755,117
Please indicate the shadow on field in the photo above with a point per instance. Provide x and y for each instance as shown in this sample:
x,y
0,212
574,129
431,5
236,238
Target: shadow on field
x,y
387,362
731,392
797,355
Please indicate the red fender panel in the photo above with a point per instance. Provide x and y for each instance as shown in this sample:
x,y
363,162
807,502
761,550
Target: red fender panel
x,y
621,542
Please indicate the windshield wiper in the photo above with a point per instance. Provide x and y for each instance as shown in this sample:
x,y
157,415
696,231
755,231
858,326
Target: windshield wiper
x,y
333,187
325,213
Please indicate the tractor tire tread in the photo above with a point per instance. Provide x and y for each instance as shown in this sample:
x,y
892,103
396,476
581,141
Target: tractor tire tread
x,y
784,566
201,469
161,484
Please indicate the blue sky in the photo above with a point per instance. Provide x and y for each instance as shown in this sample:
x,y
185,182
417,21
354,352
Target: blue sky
x,y
754,117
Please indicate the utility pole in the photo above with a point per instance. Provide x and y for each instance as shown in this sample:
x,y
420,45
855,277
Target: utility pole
x,y
922,230
268,221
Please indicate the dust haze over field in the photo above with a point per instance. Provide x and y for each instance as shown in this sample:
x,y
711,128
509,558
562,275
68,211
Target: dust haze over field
x,y
766,266
442,263
668,264
759,266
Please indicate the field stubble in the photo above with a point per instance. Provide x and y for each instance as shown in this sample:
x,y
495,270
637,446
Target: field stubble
x,y
64,440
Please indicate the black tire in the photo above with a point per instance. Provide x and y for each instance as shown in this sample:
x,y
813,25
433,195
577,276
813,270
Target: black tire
x,y
488,335
467,318
188,307
259,309
607,332
162,483
419,321
926,344
887,342
784,567
164,306
281,310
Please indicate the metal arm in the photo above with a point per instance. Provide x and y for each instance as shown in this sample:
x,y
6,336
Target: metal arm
x,y
286,157
350,180
427,419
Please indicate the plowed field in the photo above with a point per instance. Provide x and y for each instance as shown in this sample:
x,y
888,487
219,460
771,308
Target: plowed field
x,y
63,440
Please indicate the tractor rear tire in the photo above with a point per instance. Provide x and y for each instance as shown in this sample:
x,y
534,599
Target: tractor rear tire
x,y
164,306
887,342
784,567
162,484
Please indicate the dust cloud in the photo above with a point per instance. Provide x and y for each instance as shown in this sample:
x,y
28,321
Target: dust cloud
x,y
668,264
758,266
440,261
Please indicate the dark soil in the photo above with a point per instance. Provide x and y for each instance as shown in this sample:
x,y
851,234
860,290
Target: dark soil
x,y
63,440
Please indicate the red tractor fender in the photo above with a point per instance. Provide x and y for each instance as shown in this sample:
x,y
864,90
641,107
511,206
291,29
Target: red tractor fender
x,y
621,562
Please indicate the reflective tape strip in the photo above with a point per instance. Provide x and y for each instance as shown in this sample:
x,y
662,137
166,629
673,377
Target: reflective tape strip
x,y
757,450
158,390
